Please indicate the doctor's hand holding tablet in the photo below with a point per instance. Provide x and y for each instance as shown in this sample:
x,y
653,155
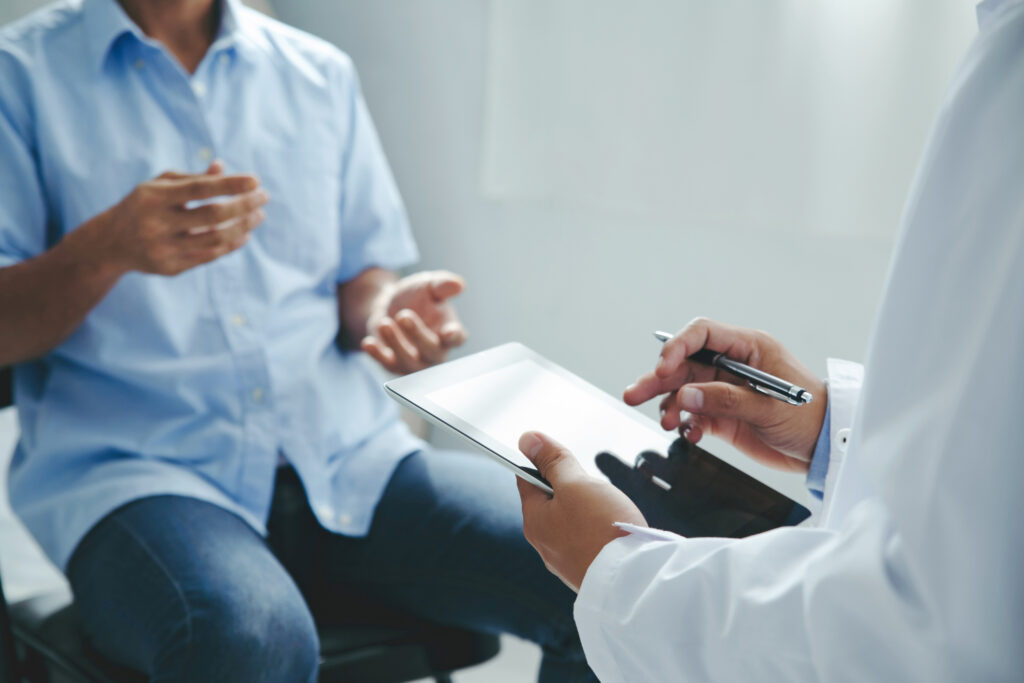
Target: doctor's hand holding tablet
x,y
571,526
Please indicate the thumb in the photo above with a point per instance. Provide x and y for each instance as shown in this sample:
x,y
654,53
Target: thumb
x,y
552,459
445,285
722,399
216,167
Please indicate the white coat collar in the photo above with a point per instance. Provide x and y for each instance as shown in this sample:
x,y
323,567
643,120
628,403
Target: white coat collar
x,y
989,8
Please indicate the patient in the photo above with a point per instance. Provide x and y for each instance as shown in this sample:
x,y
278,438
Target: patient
x,y
198,234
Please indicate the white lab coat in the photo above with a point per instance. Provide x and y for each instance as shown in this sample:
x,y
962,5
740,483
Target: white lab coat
x,y
916,569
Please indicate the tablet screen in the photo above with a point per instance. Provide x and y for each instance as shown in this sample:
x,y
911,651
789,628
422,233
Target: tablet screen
x,y
524,396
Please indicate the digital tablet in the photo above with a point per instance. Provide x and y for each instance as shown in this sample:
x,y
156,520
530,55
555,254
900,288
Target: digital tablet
x,y
492,397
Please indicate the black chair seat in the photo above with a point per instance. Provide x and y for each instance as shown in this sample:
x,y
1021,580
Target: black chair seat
x,y
48,629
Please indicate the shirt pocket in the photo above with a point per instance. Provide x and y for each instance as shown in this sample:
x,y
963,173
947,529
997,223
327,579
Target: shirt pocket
x,y
302,225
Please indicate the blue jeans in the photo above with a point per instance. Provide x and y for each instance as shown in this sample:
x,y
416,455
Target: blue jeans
x,y
185,591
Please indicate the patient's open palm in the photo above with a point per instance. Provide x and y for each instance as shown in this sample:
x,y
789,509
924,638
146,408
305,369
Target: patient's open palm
x,y
414,324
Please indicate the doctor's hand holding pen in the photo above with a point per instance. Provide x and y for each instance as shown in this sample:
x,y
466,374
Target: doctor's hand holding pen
x,y
701,399
570,527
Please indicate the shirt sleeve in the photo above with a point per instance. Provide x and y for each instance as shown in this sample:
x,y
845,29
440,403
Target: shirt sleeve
x,y
819,460
374,226
23,213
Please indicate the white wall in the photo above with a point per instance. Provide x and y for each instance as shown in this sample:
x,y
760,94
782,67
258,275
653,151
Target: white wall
x,y
584,281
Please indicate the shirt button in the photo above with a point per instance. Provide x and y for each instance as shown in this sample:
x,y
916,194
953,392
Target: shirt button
x,y
139,63
205,153
344,519
257,394
238,320
199,89
325,511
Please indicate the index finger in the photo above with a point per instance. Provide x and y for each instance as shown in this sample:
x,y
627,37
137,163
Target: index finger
x,y
185,190
698,334
650,385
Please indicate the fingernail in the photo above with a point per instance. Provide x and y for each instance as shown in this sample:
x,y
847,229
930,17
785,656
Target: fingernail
x,y
530,444
631,387
692,398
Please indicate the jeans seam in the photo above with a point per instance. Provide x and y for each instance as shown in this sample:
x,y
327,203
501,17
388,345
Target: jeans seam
x,y
170,577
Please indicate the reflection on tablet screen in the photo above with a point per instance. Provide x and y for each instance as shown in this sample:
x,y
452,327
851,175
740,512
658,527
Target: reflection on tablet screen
x,y
525,396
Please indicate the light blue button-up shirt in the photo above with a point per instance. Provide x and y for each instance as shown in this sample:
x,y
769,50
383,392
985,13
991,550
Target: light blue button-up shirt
x,y
193,385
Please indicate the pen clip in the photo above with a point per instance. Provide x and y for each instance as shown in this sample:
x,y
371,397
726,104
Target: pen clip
x,y
768,391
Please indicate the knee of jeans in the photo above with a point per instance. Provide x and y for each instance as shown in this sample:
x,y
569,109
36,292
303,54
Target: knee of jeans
x,y
268,635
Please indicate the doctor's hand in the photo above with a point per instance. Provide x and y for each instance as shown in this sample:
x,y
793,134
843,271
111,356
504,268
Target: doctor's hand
x,y
412,324
699,399
570,527
158,228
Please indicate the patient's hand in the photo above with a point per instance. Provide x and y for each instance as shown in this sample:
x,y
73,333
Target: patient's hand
x,y
571,527
413,324
155,229
700,399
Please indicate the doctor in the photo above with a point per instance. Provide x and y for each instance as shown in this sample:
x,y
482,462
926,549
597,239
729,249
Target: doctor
x,y
914,569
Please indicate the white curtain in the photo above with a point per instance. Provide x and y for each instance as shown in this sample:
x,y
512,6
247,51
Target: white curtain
x,y
787,115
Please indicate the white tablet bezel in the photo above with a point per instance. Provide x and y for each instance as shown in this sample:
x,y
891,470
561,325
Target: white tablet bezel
x,y
412,391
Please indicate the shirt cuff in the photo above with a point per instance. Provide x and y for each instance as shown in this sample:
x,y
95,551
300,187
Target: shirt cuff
x,y
819,461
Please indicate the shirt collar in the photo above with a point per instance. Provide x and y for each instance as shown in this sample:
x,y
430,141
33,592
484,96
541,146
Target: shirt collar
x,y
106,23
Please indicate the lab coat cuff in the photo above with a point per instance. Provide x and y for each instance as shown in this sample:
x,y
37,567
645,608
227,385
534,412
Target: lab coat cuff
x,y
602,570
591,608
844,382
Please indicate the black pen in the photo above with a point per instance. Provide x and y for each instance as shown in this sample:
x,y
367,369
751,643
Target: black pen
x,y
759,381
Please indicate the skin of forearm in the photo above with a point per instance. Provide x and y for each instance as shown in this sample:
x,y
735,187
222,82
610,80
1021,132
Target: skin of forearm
x,y
44,299
356,300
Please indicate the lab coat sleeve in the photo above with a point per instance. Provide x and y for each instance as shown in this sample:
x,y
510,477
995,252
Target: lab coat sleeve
x,y
793,604
624,602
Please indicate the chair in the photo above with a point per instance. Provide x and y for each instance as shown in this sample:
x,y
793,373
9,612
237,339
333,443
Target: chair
x,y
43,643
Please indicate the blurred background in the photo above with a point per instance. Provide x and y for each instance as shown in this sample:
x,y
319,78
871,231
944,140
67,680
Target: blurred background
x,y
599,169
